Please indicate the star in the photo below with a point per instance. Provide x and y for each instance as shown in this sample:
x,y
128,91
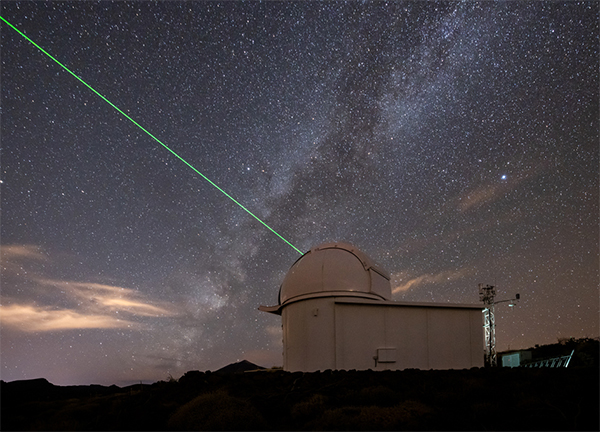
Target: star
x,y
385,125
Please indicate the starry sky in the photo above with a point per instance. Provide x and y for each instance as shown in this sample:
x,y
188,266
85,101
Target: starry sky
x,y
455,143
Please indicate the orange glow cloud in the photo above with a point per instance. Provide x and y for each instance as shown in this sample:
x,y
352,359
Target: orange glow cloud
x,y
31,318
114,298
494,191
135,307
30,252
93,305
481,196
402,284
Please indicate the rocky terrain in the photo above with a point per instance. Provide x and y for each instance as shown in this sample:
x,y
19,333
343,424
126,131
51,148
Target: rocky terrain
x,y
243,397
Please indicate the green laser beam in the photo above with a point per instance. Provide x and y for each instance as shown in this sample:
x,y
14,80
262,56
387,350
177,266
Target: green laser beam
x,y
152,136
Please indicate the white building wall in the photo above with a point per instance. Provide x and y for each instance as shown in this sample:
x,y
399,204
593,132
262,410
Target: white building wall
x,y
359,332
309,335
407,332
341,333
449,338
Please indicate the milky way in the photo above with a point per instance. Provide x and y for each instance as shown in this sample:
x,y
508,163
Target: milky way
x,y
454,143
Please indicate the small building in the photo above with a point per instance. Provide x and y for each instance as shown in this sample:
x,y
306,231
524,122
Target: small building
x,y
337,313
515,358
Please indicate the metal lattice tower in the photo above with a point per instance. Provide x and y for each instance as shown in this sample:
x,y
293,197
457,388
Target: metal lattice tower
x,y
487,294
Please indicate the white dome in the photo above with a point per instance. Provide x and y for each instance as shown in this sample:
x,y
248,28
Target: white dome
x,y
338,269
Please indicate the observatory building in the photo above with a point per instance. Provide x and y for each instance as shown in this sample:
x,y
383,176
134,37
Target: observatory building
x,y
336,310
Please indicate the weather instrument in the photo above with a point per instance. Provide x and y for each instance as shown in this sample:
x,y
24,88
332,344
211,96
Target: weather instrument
x,y
487,294
151,136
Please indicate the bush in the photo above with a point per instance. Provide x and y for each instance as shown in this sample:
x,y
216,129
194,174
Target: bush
x,y
407,415
309,409
217,411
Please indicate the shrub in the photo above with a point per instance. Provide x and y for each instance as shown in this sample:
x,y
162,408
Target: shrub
x,y
407,415
216,411
310,408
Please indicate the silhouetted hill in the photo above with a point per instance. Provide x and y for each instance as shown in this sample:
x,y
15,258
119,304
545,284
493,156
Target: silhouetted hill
x,y
40,389
475,399
37,386
239,367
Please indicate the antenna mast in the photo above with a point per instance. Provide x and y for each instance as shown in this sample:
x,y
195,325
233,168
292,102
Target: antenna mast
x,y
487,294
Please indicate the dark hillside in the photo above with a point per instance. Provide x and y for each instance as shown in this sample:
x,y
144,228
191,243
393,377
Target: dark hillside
x,y
585,351
476,399
239,367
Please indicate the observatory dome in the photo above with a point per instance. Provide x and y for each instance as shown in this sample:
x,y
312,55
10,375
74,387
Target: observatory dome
x,y
337,269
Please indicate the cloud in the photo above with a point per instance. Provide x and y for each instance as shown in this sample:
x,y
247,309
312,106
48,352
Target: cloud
x,y
492,192
404,282
30,252
137,307
97,306
480,196
15,257
32,318
98,297
49,304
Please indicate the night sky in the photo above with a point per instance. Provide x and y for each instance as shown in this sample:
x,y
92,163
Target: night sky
x,y
454,143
